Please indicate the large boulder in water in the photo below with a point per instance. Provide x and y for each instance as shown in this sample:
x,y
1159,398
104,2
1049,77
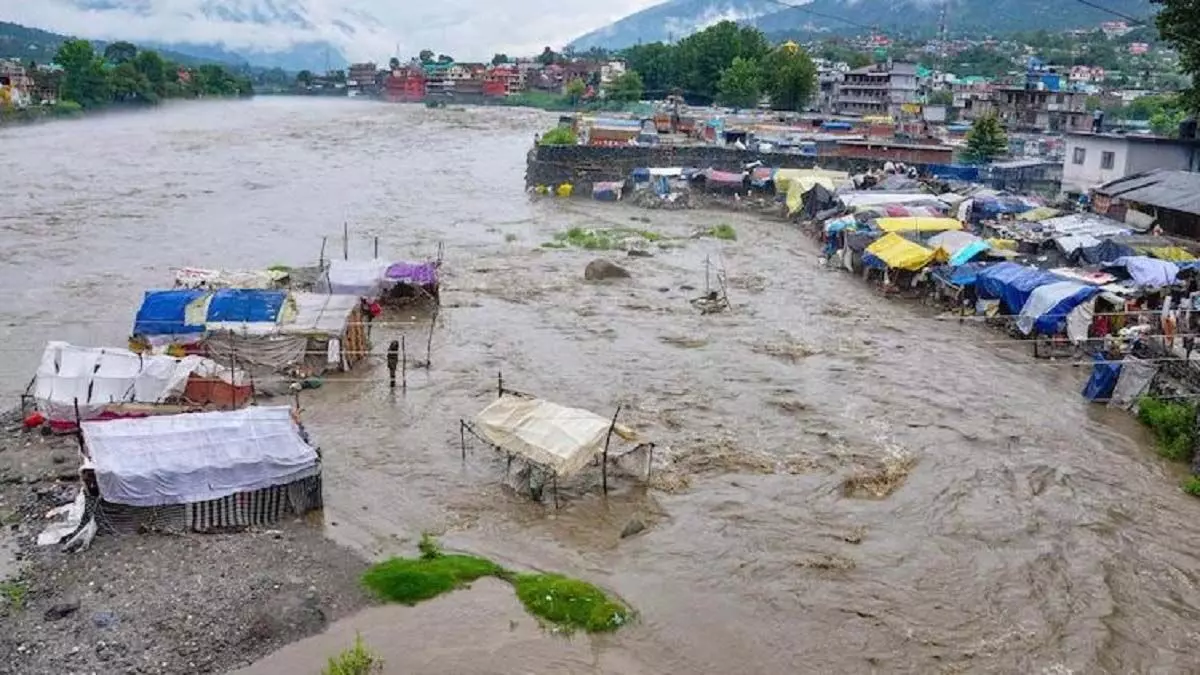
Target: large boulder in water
x,y
601,269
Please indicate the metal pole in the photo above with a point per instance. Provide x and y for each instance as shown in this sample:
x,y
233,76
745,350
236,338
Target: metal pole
x,y
79,429
429,342
607,439
403,365
321,256
376,248
345,240
462,438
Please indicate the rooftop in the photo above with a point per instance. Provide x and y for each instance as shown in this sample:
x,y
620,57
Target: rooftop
x,y
1134,138
1174,190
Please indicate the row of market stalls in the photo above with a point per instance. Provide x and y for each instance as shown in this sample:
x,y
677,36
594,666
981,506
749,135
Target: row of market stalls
x,y
171,434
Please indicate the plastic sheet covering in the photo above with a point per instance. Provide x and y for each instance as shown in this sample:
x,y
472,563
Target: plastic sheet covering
x,y
874,198
835,225
362,278
607,191
951,242
1039,214
1148,272
1012,284
895,252
1106,251
229,305
808,178
98,377
1170,253
561,439
918,224
1133,383
319,314
194,277
961,275
1104,379
194,457
1048,306
412,273
164,313
968,252
762,176
272,351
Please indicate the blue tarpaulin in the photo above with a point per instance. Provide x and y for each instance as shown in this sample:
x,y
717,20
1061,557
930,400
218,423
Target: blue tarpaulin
x,y
245,305
1045,313
640,175
954,172
961,275
162,313
994,206
964,254
1012,284
836,126
1104,378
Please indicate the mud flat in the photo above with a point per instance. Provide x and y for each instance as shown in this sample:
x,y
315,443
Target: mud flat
x,y
153,603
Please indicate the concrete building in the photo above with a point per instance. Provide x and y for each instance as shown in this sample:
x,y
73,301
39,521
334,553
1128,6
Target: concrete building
x,y
1034,109
876,90
829,75
1169,199
1093,159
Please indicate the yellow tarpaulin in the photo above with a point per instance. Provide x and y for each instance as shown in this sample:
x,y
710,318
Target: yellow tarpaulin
x,y
1038,215
1170,253
1003,244
918,224
795,182
899,253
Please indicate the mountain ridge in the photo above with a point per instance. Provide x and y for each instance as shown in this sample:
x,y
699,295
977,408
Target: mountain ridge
x,y
815,17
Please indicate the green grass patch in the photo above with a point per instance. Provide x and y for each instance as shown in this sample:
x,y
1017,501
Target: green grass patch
x,y
357,660
570,603
723,231
559,136
1173,424
14,594
599,239
1192,486
567,603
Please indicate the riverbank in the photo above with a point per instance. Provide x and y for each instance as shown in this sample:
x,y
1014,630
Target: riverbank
x,y
152,604
68,110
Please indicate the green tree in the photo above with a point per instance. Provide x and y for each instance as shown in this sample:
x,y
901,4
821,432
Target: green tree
x,y
985,141
657,64
789,78
859,60
740,85
445,58
943,97
129,85
426,56
702,57
499,58
547,57
154,69
83,80
575,90
120,52
304,77
394,63
626,87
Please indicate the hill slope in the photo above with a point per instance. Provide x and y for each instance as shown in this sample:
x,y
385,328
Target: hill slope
x,y
33,44
678,18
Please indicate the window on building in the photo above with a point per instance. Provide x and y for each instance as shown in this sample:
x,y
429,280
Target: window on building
x,y
1078,155
1107,159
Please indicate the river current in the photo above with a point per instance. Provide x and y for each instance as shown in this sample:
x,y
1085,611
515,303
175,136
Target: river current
x,y
1034,532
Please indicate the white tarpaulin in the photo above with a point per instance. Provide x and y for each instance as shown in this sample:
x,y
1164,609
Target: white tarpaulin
x,y
320,314
360,278
195,277
97,377
1135,378
872,198
559,438
196,457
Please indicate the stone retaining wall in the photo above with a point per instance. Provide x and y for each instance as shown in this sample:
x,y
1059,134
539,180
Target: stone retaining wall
x,y
583,165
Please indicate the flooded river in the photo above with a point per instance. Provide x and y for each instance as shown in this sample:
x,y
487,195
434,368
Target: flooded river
x,y
1034,532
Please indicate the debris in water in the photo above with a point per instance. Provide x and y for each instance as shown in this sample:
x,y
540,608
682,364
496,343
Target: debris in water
x,y
684,342
828,561
787,351
601,269
881,481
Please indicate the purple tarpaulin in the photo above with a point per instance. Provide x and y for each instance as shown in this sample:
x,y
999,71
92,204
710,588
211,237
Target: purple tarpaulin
x,y
415,274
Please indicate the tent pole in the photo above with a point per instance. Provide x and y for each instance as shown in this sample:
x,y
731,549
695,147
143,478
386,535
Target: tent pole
x,y
429,341
556,490
462,438
321,256
607,440
345,240
376,248
403,365
499,383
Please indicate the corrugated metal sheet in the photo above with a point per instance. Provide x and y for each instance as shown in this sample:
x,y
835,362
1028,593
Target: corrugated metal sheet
x,y
1175,190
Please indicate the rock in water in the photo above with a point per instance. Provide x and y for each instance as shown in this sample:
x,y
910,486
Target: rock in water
x,y
601,269
632,527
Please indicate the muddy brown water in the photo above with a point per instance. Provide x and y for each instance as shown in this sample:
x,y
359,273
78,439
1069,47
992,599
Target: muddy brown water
x,y
1034,532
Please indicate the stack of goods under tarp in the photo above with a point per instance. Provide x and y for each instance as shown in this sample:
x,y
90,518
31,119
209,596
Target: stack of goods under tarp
x,y
607,191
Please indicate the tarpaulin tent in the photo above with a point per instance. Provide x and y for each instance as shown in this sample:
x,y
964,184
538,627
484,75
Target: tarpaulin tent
x,y
914,210
762,177
871,197
197,457
363,278
918,224
723,179
607,191
1103,381
1011,284
957,247
1046,310
818,198
1039,214
1106,251
1174,254
237,305
1147,272
895,252
969,174
411,273
961,275
165,313
990,207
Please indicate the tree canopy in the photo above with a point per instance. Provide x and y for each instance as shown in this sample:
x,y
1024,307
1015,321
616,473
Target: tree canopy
x,y
985,141
1179,24
740,85
125,74
789,78
627,86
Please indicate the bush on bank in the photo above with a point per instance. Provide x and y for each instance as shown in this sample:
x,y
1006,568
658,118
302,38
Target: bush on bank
x,y
1173,424
568,603
357,660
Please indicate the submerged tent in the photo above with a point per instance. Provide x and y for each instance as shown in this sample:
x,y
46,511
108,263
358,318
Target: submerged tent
x,y
560,439
918,224
895,252
1047,310
1012,284
197,457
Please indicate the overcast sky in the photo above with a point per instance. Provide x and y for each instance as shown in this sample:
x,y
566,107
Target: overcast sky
x,y
466,29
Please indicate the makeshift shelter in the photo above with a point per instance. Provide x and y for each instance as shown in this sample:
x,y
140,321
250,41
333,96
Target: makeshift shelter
x,y
75,384
200,471
1059,306
406,282
1147,272
1011,284
919,225
871,198
334,330
166,314
556,441
957,247
195,277
607,191
724,181
892,251
361,278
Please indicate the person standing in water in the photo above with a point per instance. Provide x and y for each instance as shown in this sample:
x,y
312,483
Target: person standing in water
x,y
393,360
